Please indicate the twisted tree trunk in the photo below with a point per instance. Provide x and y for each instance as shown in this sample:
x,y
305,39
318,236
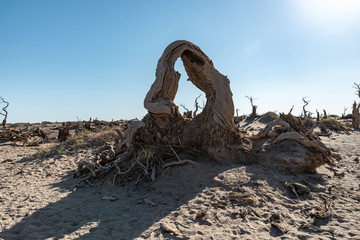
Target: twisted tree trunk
x,y
5,114
211,134
213,130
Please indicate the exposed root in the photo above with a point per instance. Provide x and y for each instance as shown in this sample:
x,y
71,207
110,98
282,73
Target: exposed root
x,y
178,163
263,133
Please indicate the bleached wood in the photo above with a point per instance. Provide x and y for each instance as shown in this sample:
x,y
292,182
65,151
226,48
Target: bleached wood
x,y
202,73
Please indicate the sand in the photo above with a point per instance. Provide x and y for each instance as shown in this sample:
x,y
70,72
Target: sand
x,y
40,199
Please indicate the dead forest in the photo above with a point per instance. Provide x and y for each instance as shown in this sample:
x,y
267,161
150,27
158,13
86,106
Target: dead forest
x,y
138,150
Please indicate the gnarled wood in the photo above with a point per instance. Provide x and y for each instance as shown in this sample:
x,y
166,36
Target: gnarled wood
x,y
211,134
213,127
263,133
202,73
5,114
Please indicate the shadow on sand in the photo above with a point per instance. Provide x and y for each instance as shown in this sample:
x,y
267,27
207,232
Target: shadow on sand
x,y
86,213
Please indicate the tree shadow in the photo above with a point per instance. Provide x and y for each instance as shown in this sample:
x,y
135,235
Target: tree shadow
x,y
108,212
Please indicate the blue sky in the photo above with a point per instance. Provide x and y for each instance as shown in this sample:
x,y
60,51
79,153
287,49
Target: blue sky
x,y
60,60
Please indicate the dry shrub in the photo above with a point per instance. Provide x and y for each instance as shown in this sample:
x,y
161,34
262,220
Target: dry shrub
x,y
335,125
268,117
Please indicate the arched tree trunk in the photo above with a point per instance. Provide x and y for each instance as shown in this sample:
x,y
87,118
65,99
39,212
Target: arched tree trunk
x,y
211,134
211,130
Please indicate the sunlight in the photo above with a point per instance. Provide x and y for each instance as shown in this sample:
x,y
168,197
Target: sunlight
x,y
330,16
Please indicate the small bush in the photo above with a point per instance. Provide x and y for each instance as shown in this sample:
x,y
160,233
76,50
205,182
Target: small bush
x,y
334,124
268,117
58,149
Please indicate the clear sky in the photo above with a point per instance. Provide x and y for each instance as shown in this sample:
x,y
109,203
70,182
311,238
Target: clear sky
x,y
60,60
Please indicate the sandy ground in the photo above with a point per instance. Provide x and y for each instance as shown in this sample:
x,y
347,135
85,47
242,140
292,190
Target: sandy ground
x,y
39,199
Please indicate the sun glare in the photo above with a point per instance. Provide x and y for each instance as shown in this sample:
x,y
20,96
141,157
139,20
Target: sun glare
x,y
332,16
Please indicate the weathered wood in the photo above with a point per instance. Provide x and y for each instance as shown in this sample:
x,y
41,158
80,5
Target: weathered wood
x,y
356,116
263,133
253,107
215,125
325,114
64,132
87,125
306,102
211,134
201,72
6,112
317,116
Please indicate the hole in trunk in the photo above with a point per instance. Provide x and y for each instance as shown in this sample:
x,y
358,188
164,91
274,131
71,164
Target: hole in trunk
x,y
188,94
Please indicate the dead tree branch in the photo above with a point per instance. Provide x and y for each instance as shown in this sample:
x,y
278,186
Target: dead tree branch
x,y
188,113
6,112
357,87
291,109
325,114
306,102
344,113
196,105
254,107
317,116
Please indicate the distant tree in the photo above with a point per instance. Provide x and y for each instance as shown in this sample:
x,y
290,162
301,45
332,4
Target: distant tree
x,y
357,87
253,107
344,113
356,108
196,104
306,102
188,113
5,114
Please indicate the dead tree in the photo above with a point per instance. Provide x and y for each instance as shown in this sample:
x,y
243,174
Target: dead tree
x,y
64,132
357,87
325,114
212,134
5,114
188,113
213,130
253,107
356,115
306,102
196,105
356,108
87,125
343,116
317,116
292,107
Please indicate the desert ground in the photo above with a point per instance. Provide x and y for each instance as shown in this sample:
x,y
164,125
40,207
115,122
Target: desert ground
x,y
41,199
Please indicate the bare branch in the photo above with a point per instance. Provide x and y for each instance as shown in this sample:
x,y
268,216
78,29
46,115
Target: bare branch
x,y
357,87
183,106
254,107
291,109
196,105
325,114
188,113
344,113
317,116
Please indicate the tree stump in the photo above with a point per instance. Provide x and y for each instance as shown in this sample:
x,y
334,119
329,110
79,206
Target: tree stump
x,y
356,115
